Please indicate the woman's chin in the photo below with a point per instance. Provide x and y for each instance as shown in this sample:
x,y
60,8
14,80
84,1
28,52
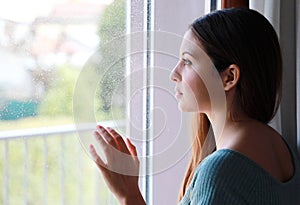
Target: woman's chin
x,y
186,109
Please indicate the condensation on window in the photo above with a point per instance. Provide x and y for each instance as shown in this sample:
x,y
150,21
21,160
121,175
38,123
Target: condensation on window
x,y
44,45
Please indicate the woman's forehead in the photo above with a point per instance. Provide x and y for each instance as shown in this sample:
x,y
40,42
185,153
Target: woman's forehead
x,y
191,45
189,42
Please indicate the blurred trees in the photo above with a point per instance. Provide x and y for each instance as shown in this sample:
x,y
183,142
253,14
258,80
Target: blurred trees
x,y
110,65
59,97
112,29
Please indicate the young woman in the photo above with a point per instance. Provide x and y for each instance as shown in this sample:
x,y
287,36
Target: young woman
x,y
248,162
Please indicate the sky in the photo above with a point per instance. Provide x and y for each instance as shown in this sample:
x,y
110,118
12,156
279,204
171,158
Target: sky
x,y
26,10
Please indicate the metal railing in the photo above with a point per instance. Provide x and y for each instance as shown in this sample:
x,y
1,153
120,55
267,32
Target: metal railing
x,y
49,166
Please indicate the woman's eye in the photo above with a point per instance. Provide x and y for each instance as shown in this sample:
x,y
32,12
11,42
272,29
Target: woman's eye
x,y
186,62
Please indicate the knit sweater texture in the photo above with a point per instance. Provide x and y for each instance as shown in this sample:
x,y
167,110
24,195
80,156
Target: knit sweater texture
x,y
227,177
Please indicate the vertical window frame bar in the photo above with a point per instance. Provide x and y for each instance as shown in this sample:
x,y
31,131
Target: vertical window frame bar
x,y
287,40
45,171
148,97
6,172
62,170
79,175
213,5
26,171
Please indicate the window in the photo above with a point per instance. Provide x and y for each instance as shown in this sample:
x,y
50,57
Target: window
x,y
170,137
44,46
54,55
67,65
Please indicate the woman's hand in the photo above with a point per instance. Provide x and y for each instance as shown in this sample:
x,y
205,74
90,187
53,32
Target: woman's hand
x,y
122,168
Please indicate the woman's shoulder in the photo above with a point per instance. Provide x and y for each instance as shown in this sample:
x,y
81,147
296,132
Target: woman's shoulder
x,y
223,177
222,159
228,177
231,167
226,165
234,167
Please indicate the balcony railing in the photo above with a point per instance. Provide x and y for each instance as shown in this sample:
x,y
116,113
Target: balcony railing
x,y
49,166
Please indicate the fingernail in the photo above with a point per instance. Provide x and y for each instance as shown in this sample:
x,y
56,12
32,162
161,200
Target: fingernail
x,y
101,128
91,147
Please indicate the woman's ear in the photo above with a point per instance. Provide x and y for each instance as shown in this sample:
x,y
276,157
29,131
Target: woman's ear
x,y
230,77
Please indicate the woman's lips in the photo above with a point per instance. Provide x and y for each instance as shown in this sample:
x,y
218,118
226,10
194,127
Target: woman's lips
x,y
178,95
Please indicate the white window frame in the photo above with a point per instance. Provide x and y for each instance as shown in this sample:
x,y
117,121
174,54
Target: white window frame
x,y
158,188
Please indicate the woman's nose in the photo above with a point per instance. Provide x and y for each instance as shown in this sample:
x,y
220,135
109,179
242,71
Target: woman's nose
x,y
175,75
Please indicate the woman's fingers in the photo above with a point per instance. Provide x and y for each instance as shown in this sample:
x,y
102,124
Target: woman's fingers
x,y
97,158
120,156
121,171
102,142
120,142
100,164
107,136
132,148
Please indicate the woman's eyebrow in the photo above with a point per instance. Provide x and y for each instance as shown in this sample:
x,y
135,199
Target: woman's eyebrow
x,y
186,52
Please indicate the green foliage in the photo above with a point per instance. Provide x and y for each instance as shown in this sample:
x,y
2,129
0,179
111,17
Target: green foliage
x,y
113,21
112,50
58,99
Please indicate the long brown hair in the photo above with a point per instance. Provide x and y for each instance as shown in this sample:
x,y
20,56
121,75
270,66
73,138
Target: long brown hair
x,y
246,38
201,126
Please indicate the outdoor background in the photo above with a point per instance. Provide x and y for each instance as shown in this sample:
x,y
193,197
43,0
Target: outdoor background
x,y
43,47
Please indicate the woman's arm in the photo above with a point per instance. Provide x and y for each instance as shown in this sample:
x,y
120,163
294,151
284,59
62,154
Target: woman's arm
x,y
121,171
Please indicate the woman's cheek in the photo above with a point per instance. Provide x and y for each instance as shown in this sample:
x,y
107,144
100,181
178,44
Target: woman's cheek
x,y
199,93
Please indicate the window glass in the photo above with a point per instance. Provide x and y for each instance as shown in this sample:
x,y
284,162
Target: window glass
x,y
45,46
171,135
65,65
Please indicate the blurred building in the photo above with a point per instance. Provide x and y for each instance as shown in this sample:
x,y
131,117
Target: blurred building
x,y
30,51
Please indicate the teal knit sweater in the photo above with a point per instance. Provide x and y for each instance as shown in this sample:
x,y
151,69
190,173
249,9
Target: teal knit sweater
x,y
227,177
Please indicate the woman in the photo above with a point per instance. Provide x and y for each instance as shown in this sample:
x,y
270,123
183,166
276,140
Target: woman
x,y
248,162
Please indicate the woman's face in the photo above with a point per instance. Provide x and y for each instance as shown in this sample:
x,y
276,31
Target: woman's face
x,y
188,75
